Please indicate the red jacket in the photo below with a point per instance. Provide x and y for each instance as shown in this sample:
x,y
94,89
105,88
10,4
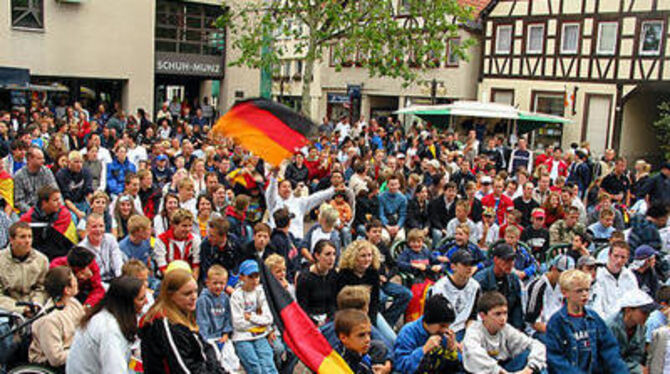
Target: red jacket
x,y
504,205
562,167
90,288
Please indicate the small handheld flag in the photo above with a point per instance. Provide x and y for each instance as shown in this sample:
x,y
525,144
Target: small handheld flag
x,y
268,129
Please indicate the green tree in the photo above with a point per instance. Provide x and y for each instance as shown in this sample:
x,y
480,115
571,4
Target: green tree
x,y
662,126
390,38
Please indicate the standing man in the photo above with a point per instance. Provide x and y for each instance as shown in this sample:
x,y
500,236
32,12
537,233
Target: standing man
x,y
617,183
521,157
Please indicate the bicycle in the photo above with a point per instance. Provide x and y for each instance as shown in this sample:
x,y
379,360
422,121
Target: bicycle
x,y
15,338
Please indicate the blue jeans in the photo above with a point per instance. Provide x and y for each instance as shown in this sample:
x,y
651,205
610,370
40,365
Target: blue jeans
x,y
256,356
436,235
385,329
401,298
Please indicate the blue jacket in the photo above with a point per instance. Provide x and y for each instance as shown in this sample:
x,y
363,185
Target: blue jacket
x,y
116,175
476,253
487,282
393,208
408,349
408,256
563,351
212,314
524,261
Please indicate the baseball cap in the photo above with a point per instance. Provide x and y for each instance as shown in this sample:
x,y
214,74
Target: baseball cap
x,y
462,256
666,165
504,251
486,180
400,155
637,298
249,267
434,163
563,262
538,213
161,157
586,261
644,251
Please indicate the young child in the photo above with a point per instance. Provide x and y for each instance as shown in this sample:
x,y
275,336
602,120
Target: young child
x,y
491,345
577,339
417,259
340,204
277,266
428,344
137,269
212,313
251,319
353,329
138,242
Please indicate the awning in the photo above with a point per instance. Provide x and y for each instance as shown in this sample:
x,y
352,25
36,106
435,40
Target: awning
x,y
439,115
14,76
34,87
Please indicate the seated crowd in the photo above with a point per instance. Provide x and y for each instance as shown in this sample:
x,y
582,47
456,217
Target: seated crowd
x,y
412,250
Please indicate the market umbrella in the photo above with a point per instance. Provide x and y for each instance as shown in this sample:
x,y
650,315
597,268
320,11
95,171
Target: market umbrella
x,y
440,115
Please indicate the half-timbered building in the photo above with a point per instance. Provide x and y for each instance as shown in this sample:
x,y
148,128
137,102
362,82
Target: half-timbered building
x,y
605,64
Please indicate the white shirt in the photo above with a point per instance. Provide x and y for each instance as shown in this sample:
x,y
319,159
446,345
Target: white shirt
x,y
607,290
463,299
107,255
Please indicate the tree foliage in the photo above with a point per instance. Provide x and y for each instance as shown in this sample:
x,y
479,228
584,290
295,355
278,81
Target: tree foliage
x,y
390,38
662,126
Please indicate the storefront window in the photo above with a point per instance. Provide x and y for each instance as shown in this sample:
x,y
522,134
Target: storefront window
x,y
554,104
28,14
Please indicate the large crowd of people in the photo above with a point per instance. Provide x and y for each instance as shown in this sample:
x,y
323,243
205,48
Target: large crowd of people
x,y
413,249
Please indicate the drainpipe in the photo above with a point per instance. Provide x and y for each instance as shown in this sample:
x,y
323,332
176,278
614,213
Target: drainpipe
x,y
618,118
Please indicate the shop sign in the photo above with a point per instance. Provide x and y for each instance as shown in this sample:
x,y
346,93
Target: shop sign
x,y
189,64
337,99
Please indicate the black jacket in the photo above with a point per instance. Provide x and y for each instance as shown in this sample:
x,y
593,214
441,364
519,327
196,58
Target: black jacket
x,y
439,214
417,216
170,348
346,277
229,256
296,175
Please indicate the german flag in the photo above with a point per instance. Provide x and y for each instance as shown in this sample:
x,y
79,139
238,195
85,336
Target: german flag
x,y
7,188
298,330
268,129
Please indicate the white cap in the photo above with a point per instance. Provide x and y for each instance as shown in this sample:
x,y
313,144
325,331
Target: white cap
x,y
486,179
637,298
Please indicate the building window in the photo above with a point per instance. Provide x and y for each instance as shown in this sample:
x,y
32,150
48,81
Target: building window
x,y
504,39
298,68
650,37
188,28
452,58
286,71
570,38
535,39
28,14
607,34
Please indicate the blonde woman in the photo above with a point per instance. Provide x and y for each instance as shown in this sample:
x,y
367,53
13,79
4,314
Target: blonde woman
x,y
169,331
359,265
197,174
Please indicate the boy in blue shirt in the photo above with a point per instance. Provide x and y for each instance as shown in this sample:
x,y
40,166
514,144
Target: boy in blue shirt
x,y
212,313
428,344
138,242
417,259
